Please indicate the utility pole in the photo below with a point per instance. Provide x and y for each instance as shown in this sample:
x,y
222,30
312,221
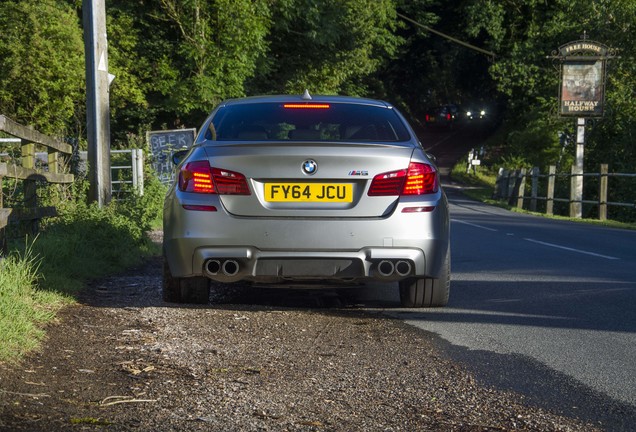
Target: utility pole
x,y
97,100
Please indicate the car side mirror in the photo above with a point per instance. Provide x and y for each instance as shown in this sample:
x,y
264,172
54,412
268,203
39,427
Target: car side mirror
x,y
178,156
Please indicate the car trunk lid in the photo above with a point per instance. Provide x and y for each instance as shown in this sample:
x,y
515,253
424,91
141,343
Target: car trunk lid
x,y
309,180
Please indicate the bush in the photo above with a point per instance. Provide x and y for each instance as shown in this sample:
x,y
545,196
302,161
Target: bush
x,y
145,210
88,242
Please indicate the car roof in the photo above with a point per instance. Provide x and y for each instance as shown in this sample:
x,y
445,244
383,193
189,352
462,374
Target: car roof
x,y
300,98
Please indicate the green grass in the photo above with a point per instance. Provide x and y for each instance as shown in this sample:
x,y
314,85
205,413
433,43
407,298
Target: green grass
x,y
481,185
41,275
89,243
23,308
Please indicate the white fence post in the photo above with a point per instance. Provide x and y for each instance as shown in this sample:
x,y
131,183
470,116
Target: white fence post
x,y
137,163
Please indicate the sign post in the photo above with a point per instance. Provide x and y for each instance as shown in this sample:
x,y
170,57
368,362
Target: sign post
x,y
581,95
576,182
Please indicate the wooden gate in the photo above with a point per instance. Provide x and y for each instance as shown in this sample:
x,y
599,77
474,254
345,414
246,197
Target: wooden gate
x,y
26,172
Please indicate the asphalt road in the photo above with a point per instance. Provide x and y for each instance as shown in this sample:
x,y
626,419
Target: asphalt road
x,y
543,307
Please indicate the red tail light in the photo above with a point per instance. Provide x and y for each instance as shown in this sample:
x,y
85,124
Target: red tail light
x,y
196,177
448,117
230,182
418,179
199,177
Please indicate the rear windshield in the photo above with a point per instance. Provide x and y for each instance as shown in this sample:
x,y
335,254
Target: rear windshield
x,y
298,122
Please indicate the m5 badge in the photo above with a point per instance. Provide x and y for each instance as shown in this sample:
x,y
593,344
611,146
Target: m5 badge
x,y
359,173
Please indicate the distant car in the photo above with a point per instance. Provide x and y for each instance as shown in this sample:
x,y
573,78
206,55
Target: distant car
x,y
288,189
442,116
476,114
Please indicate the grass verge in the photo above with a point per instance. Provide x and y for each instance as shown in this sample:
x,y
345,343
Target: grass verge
x,y
42,275
481,185
23,309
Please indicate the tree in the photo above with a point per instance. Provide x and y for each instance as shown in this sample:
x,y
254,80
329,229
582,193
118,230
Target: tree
x,y
42,62
326,46
176,59
524,33
217,44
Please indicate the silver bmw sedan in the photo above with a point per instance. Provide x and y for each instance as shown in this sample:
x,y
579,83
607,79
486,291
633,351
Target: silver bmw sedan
x,y
287,189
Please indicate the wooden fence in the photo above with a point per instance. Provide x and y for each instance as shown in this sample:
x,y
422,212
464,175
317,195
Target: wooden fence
x,y
26,172
511,186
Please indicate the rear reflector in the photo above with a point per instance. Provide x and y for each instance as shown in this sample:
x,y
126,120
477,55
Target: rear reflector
x,y
306,106
418,179
425,209
207,208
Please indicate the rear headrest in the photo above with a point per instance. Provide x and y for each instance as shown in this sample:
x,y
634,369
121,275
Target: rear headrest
x,y
252,135
368,132
304,134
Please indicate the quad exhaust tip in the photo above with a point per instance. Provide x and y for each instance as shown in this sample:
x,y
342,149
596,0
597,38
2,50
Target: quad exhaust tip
x,y
213,267
403,268
388,268
229,267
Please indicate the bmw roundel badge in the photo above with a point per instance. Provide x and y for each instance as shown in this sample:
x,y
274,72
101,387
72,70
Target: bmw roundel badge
x,y
310,167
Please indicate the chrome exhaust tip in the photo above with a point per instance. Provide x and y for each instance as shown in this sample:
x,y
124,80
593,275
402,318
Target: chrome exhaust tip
x,y
403,268
386,268
212,267
230,267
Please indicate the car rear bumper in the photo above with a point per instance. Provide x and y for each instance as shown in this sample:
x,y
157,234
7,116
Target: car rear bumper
x,y
226,248
234,264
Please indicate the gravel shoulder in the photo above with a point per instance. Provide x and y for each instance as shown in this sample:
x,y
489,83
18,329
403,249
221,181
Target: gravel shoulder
x,y
123,360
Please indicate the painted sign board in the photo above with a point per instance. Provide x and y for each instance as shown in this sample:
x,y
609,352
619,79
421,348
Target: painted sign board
x,y
163,143
582,89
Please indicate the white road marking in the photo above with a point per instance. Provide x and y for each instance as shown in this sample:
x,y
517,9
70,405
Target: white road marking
x,y
473,225
540,242
572,249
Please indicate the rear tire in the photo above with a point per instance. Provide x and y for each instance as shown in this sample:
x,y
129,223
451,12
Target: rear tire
x,y
427,292
184,290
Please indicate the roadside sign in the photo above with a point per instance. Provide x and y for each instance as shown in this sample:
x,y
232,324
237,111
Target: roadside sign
x,y
163,144
583,74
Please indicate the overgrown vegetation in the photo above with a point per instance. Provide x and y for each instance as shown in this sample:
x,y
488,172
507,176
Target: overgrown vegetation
x,y
44,273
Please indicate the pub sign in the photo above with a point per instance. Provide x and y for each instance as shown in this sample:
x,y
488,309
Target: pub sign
x,y
583,72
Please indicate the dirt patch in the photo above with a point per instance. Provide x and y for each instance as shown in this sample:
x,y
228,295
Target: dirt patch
x,y
123,360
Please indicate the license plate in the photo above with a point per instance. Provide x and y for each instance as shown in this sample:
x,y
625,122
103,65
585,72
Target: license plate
x,y
308,192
